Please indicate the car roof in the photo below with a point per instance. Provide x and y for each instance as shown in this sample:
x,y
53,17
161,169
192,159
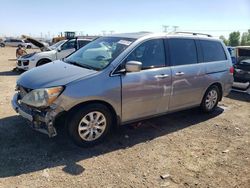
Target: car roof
x,y
136,35
85,39
146,34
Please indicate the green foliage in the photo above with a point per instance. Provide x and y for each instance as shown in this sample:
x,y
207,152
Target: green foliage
x,y
245,38
224,40
234,38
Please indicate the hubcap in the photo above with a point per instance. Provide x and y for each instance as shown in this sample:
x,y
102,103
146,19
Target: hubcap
x,y
211,99
92,126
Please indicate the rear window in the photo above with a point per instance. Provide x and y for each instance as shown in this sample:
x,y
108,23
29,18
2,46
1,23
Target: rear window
x,y
182,51
212,51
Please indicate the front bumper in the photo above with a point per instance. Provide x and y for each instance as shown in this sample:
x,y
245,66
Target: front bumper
x,y
22,64
42,121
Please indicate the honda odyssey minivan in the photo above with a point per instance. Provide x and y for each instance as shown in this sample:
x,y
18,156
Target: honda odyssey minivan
x,y
124,78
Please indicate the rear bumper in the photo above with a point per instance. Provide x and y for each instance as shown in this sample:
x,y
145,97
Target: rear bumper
x,y
242,87
42,121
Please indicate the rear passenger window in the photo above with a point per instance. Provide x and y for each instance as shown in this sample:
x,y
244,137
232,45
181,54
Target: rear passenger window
x,y
151,54
212,51
182,51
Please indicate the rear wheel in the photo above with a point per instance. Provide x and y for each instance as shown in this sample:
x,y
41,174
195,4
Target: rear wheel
x,y
42,62
2,45
89,125
210,99
28,47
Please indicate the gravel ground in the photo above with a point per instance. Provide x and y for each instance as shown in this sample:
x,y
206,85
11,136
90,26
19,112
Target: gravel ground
x,y
184,149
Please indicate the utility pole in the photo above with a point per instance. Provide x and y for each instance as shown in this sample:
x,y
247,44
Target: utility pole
x,y
103,32
111,32
175,28
165,28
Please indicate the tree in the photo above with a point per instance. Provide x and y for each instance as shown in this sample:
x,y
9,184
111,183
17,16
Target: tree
x,y
224,40
245,38
234,38
248,38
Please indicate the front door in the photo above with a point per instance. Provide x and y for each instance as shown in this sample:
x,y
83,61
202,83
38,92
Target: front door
x,y
66,49
147,92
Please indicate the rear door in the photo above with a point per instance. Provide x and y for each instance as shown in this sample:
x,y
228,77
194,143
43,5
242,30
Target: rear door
x,y
147,92
18,42
13,42
187,73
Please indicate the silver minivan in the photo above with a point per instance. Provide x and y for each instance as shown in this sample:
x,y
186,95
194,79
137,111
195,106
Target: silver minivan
x,y
123,78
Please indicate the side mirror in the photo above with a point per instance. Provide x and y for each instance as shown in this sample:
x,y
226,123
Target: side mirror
x,y
133,66
59,49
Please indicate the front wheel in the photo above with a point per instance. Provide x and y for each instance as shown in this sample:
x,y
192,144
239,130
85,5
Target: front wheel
x,y
89,125
210,99
42,62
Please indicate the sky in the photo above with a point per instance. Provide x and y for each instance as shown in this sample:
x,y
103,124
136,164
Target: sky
x,y
50,17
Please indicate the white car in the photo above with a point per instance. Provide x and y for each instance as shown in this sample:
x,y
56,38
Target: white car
x,y
16,43
48,54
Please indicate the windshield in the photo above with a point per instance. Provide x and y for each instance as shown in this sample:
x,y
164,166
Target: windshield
x,y
54,46
99,53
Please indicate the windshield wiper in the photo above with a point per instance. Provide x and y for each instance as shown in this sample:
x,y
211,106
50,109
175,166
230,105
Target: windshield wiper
x,y
80,65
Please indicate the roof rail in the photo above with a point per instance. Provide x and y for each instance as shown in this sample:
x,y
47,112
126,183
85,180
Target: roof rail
x,y
180,32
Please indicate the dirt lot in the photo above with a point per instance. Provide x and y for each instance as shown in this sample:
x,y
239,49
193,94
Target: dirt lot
x,y
191,148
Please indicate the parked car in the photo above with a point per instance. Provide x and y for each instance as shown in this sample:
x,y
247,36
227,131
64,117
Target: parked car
x,y
232,53
49,54
242,69
2,43
119,79
16,43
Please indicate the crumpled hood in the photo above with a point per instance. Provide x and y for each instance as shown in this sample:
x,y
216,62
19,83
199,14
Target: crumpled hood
x,y
57,73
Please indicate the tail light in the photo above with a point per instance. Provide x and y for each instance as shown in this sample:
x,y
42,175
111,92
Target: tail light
x,y
231,70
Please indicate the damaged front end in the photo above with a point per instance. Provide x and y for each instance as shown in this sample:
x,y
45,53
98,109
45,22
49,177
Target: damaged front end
x,y
42,118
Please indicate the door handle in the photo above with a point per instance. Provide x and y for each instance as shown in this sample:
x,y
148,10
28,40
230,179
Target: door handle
x,y
179,73
161,76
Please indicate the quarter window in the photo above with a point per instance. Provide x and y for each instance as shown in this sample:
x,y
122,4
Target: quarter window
x,y
212,51
151,54
182,51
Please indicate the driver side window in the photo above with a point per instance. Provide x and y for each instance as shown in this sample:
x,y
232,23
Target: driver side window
x,y
68,45
151,54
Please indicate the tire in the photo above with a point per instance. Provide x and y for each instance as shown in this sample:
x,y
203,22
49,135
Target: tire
x,y
85,133
210,99
19,45
2,45
42,62
28,47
